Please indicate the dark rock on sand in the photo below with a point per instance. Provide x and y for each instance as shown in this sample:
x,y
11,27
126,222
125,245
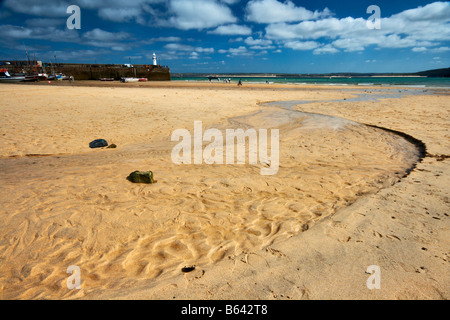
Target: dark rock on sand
x,y
112,146
99,143
141,177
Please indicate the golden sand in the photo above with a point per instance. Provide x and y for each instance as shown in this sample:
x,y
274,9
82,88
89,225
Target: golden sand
x,y
338,204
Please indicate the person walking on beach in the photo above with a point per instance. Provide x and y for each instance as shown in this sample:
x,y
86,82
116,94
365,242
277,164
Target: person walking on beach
x,y
240,83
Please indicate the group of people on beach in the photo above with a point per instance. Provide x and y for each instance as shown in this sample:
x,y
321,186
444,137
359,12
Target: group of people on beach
x,y
227,81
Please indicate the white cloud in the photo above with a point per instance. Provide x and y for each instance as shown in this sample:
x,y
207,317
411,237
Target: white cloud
x,y
205,50
419,49
426,27
10,32
302,45
183,47
194,55
440,49
176,48
105,36
199,14
273,11
105,39
230,1
262,47
240,51
166,39
232,30
53,8
258,42
327,49
437,11
119,14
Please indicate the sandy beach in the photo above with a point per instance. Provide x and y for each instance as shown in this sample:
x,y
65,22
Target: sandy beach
x,y
348,194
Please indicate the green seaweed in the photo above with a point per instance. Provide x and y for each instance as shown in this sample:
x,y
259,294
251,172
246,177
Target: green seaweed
x,y
141,177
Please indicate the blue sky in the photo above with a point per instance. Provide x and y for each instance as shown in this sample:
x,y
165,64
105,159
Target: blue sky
x,y
219,36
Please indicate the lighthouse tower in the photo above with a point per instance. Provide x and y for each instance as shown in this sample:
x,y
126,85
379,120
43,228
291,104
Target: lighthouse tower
x,y
155,63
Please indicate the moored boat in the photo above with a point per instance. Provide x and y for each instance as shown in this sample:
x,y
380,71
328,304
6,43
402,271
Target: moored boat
x,y
127,80
12,79
5,77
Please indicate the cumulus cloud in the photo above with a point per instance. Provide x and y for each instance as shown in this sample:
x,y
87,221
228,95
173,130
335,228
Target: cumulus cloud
x,y
10,32
166,39
232,30
240,51
420,27
184,47
105,36
96,37
119,14
182,51
101,38
302,45
257,42
273,11
230,1
423,29
51,8
326,49
199,14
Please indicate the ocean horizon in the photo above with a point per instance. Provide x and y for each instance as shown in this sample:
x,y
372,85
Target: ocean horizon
x,y
420,82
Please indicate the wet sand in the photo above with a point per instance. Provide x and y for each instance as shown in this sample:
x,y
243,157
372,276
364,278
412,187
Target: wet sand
x,y
343,199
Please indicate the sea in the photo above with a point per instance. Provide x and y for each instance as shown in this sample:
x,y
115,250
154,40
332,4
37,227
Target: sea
x,y
418,82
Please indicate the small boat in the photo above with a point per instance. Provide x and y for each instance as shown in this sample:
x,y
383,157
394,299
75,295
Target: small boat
x,y
31,78
5,77
106,79
59,76
42,76
12,79
143,79
127,80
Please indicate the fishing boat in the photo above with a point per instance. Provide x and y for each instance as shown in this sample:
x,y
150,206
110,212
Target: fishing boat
x,y
12,79
31,78
5,77
59,76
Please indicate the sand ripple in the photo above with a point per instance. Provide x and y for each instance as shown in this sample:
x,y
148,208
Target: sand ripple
x,y
79,209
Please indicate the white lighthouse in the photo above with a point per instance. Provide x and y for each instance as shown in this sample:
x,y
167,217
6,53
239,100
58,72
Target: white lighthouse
x,y
155,63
